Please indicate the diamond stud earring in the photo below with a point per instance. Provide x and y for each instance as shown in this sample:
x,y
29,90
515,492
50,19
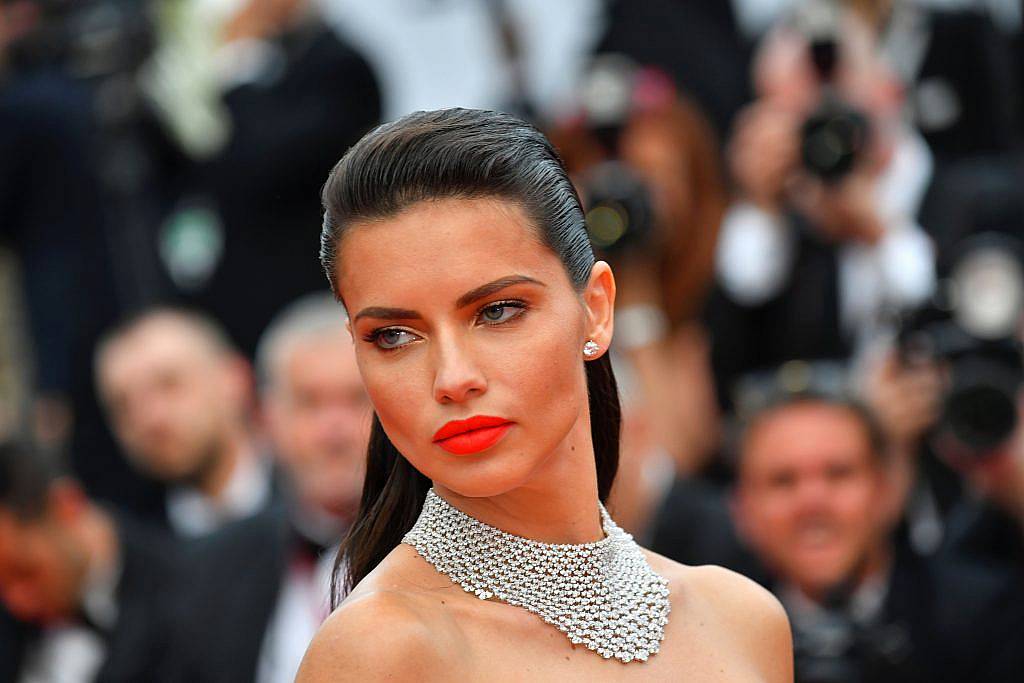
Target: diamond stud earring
x,y
591,348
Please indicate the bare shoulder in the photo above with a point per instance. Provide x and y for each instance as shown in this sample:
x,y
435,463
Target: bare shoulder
x,y
385,630
752,616
379,635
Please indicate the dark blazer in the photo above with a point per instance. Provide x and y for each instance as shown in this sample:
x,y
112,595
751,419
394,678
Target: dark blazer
x,y
696,42
802,321
288,131
138,645
694,526
962,621
970,56
234,576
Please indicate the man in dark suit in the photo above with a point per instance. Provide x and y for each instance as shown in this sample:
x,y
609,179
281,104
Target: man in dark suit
x,y
83,593
297,96
261,587
176,393
816,501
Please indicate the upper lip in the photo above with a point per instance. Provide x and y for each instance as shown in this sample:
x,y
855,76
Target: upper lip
x,y
456,427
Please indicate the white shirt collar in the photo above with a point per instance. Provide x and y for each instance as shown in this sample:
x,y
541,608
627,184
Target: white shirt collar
x,y
193,513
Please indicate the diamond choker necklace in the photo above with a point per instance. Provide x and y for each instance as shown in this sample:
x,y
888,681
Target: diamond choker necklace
x,y
603,595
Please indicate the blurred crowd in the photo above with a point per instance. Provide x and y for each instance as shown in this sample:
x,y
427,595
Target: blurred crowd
x,y
813,209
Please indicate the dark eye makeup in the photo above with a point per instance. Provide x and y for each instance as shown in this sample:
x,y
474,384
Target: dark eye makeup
x,y
491,314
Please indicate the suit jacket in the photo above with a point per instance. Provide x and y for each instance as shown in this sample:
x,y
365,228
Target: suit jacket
x,y
940,621
288,131
802,321
138,645
234,576
962,622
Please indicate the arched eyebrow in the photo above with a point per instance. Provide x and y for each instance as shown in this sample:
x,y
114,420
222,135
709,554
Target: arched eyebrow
x,y
473,295
494,287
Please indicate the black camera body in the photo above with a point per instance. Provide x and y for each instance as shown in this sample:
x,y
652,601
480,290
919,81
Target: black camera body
x,y
835,135
619,213
833,138
973,328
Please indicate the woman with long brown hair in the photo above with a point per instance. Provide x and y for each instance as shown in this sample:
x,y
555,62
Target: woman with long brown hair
x,y
482,550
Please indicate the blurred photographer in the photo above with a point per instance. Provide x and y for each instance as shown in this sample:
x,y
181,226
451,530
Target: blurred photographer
x,y
819,244
45,143
263,97
950,398
645,162
814,499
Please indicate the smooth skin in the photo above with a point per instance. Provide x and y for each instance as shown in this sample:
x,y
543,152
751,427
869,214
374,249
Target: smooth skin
x,y
442,352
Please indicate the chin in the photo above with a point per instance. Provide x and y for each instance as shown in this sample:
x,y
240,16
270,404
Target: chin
x,y
485,481
820,579
487,474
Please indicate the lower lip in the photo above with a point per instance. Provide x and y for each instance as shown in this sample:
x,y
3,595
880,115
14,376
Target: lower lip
x,y
475,440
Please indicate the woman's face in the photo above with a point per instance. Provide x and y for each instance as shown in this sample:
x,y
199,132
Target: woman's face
x,y
457,311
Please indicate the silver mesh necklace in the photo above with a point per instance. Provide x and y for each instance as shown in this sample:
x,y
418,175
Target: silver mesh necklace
x,y
603,595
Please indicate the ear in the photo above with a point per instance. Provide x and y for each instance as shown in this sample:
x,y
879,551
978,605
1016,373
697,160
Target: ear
x,y
599,300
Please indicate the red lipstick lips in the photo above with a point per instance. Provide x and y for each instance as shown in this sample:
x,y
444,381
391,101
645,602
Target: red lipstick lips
x,y
465,437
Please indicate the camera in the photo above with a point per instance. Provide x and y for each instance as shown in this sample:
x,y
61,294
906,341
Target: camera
x,y
834,136
619,214
973,326
619,211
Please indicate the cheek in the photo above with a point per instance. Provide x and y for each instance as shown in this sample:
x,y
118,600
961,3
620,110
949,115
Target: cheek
x,y
854,500
777,511
534,376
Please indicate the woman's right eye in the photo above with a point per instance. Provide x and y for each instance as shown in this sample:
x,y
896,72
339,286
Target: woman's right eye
x,y
391,338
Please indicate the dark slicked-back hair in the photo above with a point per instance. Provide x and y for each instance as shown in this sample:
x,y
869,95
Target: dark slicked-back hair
x,y
26,473
451,153
454,153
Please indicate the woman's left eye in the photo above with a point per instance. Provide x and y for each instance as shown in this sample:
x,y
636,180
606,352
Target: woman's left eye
x,y
501,312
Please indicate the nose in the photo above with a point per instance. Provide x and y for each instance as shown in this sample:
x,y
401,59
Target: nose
x,y
457,377
813,494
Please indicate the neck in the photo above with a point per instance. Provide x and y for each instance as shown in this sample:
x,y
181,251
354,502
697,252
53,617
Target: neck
x,y
559,503
214,480
874,563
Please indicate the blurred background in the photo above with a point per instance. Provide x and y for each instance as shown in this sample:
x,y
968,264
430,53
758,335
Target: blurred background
x,y
815,213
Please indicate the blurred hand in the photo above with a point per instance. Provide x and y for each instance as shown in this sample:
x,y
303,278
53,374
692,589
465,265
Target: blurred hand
x,y
1000,476
763,153
905,398
261,19
846,211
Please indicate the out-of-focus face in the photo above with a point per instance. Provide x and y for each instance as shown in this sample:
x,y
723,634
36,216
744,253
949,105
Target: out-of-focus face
x,y
319,419
809,492
41,571
170,396
483,322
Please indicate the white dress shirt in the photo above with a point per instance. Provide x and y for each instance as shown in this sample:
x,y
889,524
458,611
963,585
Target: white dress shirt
x,y
193,513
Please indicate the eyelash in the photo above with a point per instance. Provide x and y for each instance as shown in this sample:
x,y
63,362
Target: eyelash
x,y
374,336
